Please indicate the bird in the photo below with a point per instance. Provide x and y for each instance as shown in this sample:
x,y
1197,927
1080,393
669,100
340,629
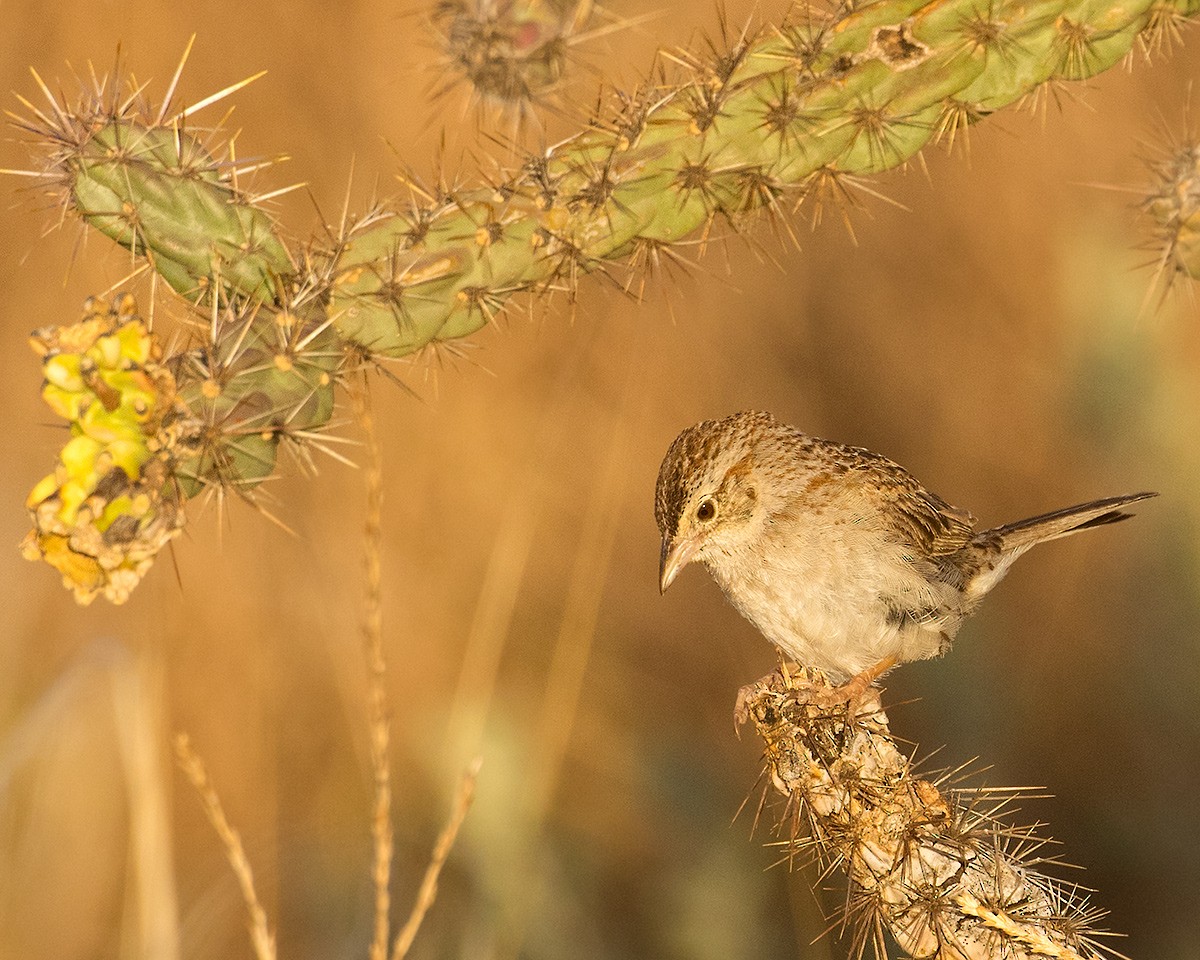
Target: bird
x,y
839,556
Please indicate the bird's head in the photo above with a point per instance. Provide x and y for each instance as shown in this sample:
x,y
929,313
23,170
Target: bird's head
x,y
708,499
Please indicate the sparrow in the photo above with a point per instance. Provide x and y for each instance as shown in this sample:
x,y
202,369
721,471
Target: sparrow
x,y
836,554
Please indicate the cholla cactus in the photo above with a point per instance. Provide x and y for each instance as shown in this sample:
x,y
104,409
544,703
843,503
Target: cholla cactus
x,y
511,52
260,365
1174,206
933,866
752,127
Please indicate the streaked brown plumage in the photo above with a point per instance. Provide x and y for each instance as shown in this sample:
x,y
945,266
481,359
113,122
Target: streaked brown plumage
x,y
838,555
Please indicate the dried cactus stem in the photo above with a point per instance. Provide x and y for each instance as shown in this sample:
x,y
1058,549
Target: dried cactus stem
x,y
945,878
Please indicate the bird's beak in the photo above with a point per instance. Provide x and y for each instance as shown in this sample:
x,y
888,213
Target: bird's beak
x,y
676,554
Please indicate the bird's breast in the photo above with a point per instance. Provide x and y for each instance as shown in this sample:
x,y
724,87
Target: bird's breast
x,y
826,593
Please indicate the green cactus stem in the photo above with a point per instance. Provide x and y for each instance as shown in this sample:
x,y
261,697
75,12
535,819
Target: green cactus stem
x,y
750,129
157,192
153,187
754,129
264,366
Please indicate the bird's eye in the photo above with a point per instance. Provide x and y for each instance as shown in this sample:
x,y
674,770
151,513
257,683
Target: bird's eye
x,y
706,510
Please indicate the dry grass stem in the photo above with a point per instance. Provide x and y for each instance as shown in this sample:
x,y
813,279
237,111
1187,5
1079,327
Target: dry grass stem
x,y
193,768
504,576
380,734
372,630
105,676
138,701
441,850
577,630
931,864
381,828
565,682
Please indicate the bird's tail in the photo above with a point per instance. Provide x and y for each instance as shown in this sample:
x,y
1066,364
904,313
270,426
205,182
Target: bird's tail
x,y
1020,536
999,547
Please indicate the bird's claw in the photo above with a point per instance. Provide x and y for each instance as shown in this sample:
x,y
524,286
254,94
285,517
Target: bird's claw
x,y
848,693
746,695
778,680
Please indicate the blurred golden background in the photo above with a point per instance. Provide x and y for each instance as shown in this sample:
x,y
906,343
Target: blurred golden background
x,y
986,330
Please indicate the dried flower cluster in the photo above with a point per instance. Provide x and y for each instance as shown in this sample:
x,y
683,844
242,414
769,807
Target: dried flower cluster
x,y
112,502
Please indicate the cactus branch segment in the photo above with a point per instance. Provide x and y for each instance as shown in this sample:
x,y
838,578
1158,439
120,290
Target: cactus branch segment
x,y
931,865
755,127
157,192
157,189
262,374
261,363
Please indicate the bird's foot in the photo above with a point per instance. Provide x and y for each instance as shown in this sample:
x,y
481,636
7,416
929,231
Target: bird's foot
x,y
853,690
809,688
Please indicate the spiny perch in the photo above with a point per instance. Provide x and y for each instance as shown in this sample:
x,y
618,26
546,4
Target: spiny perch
x,y
933,865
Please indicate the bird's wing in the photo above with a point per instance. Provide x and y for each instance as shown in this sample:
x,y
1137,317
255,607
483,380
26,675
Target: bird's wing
x,y
919,518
